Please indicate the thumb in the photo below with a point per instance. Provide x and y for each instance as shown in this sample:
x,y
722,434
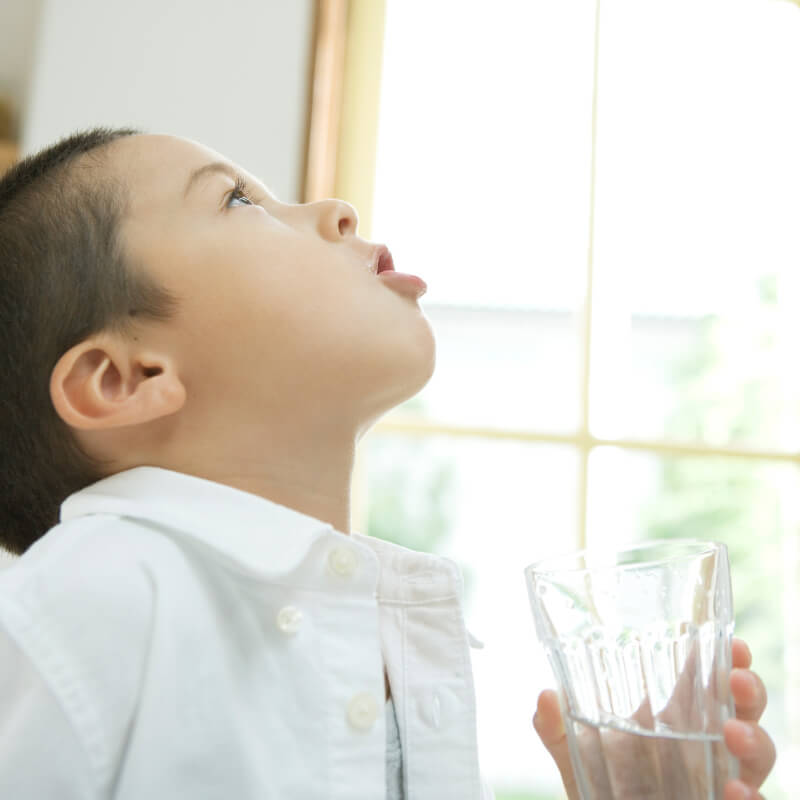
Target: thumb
x,y
549,726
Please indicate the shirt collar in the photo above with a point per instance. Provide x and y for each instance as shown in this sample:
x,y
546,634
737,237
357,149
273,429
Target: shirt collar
x,y
258,534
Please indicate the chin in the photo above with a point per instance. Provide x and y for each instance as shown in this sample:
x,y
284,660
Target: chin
x,y
403,374
428,367
415,363
418,356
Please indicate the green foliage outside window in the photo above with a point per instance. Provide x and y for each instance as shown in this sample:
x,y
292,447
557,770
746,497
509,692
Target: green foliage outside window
x,y
410,495
726,396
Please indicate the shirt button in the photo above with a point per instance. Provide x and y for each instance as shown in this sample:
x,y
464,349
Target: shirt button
x,y
289,619
343,561
362,711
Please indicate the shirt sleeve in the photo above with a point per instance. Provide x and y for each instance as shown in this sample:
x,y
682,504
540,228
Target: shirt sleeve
x,y
74,636
41,755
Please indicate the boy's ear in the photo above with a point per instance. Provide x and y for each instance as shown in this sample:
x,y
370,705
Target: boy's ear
x,y
102,383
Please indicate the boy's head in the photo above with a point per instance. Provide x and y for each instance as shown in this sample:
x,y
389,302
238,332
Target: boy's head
x,y
150,318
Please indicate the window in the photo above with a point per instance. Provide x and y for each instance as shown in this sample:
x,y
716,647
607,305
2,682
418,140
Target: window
x,y
611,240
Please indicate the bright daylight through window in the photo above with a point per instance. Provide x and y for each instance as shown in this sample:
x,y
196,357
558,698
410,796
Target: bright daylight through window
x,y
686,419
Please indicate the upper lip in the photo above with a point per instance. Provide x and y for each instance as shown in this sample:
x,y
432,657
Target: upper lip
x,y
381,260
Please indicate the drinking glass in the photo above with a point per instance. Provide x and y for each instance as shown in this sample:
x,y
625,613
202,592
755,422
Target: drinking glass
x,y
639,641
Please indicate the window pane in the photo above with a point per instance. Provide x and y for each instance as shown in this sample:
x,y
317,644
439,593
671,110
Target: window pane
x,y
482,188
484,142
752,507
697,237
493,507
502,368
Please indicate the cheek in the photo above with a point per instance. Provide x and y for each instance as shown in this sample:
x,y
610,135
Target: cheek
x,y
275,299
282,321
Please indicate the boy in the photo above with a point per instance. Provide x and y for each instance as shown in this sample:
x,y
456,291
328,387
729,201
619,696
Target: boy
x,y
188,364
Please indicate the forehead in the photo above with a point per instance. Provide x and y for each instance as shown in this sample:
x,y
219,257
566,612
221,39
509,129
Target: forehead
x,y
156,167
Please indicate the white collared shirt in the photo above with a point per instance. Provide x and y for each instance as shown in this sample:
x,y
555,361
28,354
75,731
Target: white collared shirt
x,y
174,638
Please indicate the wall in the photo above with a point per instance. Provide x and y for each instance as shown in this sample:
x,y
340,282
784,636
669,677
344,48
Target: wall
x,y
235,77
19,21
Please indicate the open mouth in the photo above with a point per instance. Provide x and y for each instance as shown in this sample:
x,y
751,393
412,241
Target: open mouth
x,y
383,265
385,262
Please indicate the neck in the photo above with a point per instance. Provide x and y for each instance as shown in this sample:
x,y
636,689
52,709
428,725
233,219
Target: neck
x,y
313,477
304,467
327,500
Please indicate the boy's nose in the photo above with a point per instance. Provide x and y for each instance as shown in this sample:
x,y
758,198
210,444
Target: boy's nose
x,y
336,219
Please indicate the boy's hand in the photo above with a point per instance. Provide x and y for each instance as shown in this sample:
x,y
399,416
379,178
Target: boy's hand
x,y
744,737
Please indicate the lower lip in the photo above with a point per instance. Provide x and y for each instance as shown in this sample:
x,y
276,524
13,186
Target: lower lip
x,y
403,282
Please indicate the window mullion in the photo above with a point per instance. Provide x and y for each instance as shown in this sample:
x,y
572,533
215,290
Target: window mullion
x,y
586,320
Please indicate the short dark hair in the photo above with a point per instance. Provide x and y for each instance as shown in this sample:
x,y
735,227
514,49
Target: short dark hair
x,y
64,276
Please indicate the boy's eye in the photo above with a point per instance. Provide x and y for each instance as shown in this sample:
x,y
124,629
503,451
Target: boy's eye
x,y
239,192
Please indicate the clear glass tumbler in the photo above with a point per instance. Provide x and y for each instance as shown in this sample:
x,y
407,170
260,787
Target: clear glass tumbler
x,y
640,644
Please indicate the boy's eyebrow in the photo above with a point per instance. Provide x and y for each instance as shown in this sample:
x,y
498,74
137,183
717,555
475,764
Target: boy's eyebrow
x,y
214,166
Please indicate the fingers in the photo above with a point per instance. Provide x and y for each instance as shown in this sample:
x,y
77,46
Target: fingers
x,y
749,694
754,749
550,727
736,790
743,737
547,720
740,652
